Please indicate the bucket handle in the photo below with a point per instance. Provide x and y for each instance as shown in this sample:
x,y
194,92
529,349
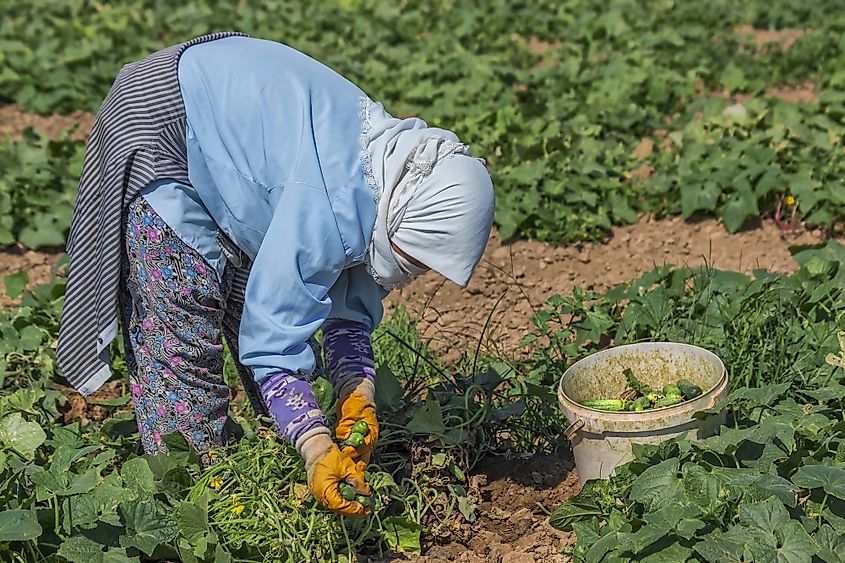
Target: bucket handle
x,y
572,429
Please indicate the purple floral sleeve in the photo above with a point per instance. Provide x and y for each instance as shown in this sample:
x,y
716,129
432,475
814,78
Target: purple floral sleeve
x,y
349,360
349,354
291,403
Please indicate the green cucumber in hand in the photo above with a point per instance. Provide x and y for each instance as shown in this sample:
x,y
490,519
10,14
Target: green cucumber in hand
x,y
361,427
347,491
355,440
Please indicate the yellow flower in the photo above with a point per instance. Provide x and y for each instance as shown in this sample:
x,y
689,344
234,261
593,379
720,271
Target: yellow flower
x,y
216,483
789,200
626,174
237,509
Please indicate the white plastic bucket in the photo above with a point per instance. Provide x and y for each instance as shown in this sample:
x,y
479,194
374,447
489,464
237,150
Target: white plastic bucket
x,y
602,440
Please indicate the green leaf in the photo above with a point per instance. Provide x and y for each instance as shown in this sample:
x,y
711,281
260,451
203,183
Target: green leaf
x,y
740,207
389,391
18,525
574,510
116,402
467,508
794,544
16,284
79,549
323,393
727,548
778,487
734,78
696,198
767,516
831,479
401,535
671,554
147,525
138,476
119,555
22,436
30,338
700,485
193,517
830,545
44,230
428,419
658,485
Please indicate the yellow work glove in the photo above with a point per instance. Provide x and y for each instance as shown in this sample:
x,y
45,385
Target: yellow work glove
x,y
327,467
359,404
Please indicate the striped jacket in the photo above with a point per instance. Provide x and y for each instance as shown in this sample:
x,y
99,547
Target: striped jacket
x,y
138,137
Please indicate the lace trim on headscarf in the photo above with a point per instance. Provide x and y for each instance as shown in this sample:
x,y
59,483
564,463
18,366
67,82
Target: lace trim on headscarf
x,y
367,166
364,140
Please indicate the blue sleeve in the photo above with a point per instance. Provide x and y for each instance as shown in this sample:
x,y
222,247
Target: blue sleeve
x,y
357,297
287,295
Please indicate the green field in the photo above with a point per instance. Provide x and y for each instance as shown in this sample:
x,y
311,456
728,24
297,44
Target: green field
x,y
590,115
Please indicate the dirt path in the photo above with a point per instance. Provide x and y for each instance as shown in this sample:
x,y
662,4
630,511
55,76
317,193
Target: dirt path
x,y
514,279
13,122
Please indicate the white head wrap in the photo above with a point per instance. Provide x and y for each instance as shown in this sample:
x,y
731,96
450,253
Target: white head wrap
x,y
435,201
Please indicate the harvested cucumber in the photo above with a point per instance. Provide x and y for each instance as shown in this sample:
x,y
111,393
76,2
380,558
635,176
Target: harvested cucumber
x,y
640,404
355,439
640,397
347,491
605,404
689,389
669,400
671,389
361,427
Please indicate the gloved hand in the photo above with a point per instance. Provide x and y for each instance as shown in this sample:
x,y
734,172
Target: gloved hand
x,y
290,401
359,404
327,466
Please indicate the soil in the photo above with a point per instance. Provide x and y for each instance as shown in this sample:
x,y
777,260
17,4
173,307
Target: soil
x,y
514,279
13,122
511,526
762,37
37,265
85,411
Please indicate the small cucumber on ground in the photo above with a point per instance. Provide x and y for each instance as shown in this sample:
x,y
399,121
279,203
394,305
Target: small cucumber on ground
x,y
347,491
361,427
689,389
355,439
605,404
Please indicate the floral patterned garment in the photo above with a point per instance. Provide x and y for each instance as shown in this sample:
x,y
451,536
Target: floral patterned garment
x,y
175,314
173,321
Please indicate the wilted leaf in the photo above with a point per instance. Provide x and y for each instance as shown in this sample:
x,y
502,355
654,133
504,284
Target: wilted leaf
x,y
401,535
